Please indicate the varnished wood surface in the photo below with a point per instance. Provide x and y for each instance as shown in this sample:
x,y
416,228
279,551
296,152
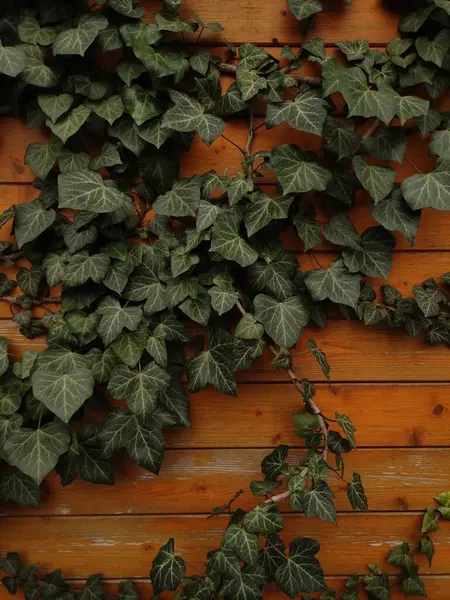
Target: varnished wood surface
x,y
396,389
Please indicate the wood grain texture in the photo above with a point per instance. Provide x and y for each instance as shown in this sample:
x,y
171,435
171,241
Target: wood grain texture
x,y
356,352
203,479
271,23
124,546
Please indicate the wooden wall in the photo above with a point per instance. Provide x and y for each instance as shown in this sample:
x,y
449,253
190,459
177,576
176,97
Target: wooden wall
x,y
396,389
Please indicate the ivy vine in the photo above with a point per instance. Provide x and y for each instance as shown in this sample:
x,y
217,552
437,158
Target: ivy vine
x,y
123,253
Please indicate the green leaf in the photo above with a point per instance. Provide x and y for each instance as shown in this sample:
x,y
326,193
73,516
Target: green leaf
x,y
129,70
321,358
349,429
378,181
222,301
63,393
78,39
411,106
81,267
140,105
389,144
129,346
440,143
55,106
68,125
428,190
4,360
86,190
264,519
318,502
297,170
341,137
248,328
264,209
19,488
341,231
283,321
42,157
227,241
430,520
374,258
36,72
395,215
31,219
413,586
354,50
335,283
273,463
307,112
188,114
434,50
211,366
109,109
181,201
303,9
36,452
155,132
301,572
115,318
13,60
427,548
243,543
364,102
167,569
356,494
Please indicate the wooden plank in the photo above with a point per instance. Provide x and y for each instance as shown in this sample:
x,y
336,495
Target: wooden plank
x,y
124,546
221,156
356,353
437,587
399,479
433,234
271,22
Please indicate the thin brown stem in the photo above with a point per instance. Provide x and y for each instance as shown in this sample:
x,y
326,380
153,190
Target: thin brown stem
x,y
306,79
413,165
233,144
372,129
379,305
251,133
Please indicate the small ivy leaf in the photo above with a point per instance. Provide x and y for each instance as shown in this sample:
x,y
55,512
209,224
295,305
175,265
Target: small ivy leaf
x,y
318,502
36,452
378,181
78,39
68,125
283,321
321,358
11,564
227,241
364,102
389,144
130,345
430,520
167,569
273,463
306,424
182,200
211,366
129,70
110,109
297,170
394,214
349,429
30,220
428,190
307,112
427,548
335,283
4,360
140,105
354,50
264,519
308,230
263,488
341,137
36,72
248,328
341,231
19,488
374,258
264,209
243,543
55,106
411,106
303,9
443,499
428,299
356,494
434,50
86,190
301,571
13,60
42,157
440,144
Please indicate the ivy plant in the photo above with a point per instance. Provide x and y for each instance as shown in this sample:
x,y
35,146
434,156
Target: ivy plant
x,y
147,278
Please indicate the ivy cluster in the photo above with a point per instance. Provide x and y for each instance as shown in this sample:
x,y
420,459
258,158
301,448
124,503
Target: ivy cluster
x,y
251,554
130,253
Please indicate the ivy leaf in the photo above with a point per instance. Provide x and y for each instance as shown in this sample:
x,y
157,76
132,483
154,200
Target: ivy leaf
x,y
227,241
301,572
356,494
41,157
243,543
36,452
321,358
81,267
167,569
36,72
411,106
341,231
378,181
341,137
145,445
413,586
430,189
264,519
63,393
19,488
55,106
364,102
318,502
307,112
78,39
389,144
189,115
68,125
354,50
4,360
181,201
140,105
31,219
297,170
211,366
129,346
434,50
395,215
440,143
335,283
374,258
86,190
115,318
13,60
109,109
283,321
264,209
427,548
303,9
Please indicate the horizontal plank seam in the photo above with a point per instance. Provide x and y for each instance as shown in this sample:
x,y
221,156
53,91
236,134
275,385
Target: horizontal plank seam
x,y
145,579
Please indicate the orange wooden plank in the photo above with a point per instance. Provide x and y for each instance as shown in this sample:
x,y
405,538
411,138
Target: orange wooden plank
x,y
394,479
124,546
272,23
355,352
